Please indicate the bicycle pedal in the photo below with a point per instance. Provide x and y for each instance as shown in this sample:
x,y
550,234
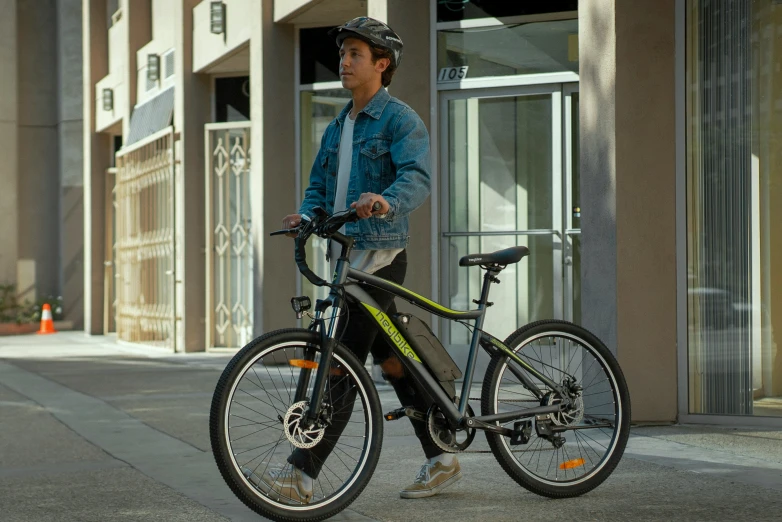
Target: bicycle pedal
x,y
521,433
404,412
394,414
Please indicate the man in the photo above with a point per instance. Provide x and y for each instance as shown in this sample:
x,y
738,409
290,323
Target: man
x,y
376,150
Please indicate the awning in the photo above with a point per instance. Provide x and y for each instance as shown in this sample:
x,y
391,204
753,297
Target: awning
x,y
151,116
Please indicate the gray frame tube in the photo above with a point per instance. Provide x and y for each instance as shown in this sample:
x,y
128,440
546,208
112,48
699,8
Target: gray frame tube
x,y
418,370
410,297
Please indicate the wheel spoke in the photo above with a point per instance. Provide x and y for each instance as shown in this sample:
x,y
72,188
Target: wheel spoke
x,y
560,354
253,408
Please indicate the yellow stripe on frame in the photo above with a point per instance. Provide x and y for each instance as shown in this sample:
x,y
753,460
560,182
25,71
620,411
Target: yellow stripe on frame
x,y
399,341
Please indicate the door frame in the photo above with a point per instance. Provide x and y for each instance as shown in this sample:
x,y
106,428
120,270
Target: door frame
x,y
569,231
562,169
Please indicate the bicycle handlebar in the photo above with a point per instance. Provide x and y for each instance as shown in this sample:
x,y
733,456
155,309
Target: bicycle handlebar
x,y
322,225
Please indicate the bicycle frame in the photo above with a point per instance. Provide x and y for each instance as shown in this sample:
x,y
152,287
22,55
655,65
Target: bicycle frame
x,y
350,277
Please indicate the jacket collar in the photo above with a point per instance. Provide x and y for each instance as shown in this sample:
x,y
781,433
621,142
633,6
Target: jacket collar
x,y
374,108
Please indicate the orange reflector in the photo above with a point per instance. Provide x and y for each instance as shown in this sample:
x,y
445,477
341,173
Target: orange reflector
x,y
570,464
301,363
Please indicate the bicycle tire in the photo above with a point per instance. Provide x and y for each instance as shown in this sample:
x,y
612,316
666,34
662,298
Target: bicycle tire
x,y
274,344
559,487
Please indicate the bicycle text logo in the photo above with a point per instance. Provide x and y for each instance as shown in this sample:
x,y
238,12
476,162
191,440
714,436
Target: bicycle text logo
x,y
396,337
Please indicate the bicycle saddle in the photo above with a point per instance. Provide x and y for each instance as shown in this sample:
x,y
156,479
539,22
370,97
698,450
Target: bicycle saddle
x,y
507,256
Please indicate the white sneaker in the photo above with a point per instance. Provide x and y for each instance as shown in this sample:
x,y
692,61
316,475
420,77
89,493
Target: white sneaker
x,y
284,485
432,479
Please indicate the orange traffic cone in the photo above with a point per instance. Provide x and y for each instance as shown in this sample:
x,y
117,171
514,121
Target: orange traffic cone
x,y
47,323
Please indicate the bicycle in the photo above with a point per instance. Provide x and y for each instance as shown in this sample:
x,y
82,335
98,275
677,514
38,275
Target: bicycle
x,y
548,379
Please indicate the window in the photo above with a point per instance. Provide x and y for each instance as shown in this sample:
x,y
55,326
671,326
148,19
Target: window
x,y
734,219
507,50
112,8
232,99
456,10
319,56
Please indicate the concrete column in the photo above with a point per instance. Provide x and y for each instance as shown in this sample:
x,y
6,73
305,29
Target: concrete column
x,y
628,193
191,112
97,158
9,203
139,32
379,9
38,168
411,84
273,192
597,71
70,137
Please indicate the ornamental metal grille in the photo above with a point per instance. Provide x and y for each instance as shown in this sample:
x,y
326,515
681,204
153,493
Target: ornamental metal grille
x,y
230,250
145,252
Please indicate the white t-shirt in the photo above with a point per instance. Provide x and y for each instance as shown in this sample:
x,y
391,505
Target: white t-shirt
x,y
365,260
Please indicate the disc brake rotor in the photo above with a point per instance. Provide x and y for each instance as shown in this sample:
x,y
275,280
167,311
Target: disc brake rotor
x,y
296,432
567,417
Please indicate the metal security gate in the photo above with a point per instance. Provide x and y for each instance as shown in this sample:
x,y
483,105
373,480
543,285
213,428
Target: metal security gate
x,y
145,249
229,257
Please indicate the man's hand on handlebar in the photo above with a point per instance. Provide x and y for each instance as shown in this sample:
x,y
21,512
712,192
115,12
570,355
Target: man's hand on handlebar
x,y
291,221
293,225
366,205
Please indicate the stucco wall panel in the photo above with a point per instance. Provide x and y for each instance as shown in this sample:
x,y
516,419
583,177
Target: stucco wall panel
x,y
208,47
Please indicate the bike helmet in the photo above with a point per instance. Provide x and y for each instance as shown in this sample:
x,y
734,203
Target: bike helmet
x,y
374,32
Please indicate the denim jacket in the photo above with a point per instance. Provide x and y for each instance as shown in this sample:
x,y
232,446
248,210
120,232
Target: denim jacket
x,y
390,158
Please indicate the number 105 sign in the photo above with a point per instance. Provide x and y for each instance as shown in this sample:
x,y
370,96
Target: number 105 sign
x,y
452,74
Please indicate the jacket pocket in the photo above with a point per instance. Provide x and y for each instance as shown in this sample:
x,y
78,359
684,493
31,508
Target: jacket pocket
x,y
328,162
376,159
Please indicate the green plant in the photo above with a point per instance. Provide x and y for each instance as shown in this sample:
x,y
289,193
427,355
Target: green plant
x,y
8,304
12,311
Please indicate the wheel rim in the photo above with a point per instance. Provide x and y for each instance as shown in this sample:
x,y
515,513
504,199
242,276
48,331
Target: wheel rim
x,y
586,451
254,435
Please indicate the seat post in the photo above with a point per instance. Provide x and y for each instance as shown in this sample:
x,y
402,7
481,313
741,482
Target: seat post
x,y
488,278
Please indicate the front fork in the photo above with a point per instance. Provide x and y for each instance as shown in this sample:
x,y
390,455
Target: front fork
x,y
326,329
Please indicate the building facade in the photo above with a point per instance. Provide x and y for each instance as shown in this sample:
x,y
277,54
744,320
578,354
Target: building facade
x,y
41,146
630,145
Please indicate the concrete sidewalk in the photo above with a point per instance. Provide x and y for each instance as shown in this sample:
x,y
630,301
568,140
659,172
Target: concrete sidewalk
x,y
94,430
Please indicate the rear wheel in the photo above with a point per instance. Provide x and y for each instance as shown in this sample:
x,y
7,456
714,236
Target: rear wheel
x,y
256,424
571,452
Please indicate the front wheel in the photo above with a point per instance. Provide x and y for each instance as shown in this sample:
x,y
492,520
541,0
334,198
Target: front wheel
x,y
258,427
571,452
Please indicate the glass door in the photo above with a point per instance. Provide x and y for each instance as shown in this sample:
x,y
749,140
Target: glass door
x,y
509,162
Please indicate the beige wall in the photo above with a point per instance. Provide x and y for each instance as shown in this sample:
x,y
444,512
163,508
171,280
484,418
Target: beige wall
x,y
116,76
8,144
326,12
273,167
628,193
646,205
191,113
139,33
284,9
96,161
208,47
38,142
71,160
411,84
165,28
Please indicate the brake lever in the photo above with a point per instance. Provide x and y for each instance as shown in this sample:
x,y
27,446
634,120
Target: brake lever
x,y
294,230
